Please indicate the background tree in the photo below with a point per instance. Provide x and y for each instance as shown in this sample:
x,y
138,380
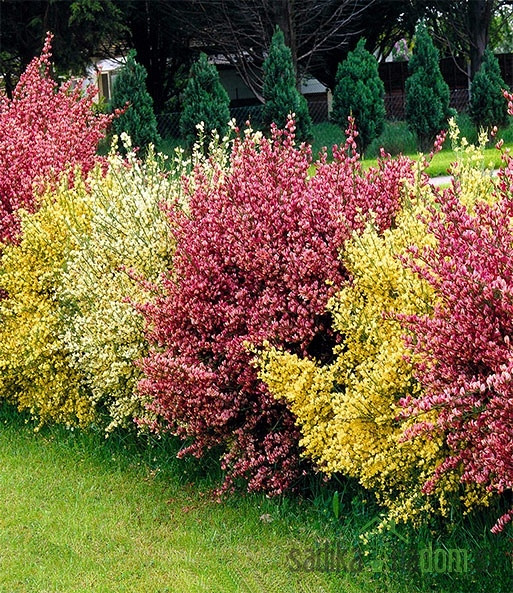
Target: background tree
x,y
280,93
487,105
81,29
462,27
427,94
162,41
501,30
360,91
138,120
204,100
100,28
318,32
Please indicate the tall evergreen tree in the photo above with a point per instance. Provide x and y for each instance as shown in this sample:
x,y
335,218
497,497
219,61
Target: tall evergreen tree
x,y
427,93
487,104
360,91
280,92
204,100
138,120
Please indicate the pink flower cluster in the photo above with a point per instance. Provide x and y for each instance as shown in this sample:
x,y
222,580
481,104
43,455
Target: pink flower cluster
x,y
44,130
253,259
465,346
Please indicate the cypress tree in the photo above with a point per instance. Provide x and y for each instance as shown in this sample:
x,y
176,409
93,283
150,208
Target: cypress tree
x,y
204,100
280,92
138,120
360,91
488,107
427,94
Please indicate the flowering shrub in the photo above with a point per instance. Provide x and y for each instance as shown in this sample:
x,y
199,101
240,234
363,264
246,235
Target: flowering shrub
x,y
127,240
256,260
463,349
44,130
35,369
349,409
70,331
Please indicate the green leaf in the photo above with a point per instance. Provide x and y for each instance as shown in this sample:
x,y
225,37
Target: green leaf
x,y
336,504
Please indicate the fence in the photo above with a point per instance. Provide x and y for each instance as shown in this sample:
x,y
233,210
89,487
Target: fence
x,y
394,103
168,124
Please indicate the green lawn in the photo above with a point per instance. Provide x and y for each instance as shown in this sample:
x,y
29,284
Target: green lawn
x,y
441,163
397,139
79,513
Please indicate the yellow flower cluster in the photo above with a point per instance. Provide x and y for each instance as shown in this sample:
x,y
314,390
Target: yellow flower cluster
x,y
348,410
470,169
35,369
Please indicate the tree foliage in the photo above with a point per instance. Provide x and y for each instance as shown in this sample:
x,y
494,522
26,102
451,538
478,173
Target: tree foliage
x,y
360,92
161,40
318,32
280,92
427,94
138,119
81,29
487,105
204,100
463,27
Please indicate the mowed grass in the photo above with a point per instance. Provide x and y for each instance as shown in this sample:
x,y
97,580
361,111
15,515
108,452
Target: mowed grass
x,y
398,139
81,514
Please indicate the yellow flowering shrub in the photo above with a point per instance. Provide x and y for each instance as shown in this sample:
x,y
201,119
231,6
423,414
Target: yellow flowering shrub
x,y
470,170
35,369
348,410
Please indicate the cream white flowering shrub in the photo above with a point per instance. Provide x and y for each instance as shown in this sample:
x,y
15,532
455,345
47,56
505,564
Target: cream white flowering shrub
x,y
127,246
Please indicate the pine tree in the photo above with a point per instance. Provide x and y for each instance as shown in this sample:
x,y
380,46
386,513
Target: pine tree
x,y
488,107
280,92
204,100
138,120
427,94
360,91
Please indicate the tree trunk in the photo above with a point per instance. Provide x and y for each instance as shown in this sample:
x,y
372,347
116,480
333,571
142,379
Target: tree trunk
x,y
479,18
284,18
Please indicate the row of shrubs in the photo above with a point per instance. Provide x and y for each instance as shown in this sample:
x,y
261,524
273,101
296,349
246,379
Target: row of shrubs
x,y
294,315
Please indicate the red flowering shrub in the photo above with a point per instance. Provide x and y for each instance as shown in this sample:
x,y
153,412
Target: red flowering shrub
x,y
43,130
464,349
256,260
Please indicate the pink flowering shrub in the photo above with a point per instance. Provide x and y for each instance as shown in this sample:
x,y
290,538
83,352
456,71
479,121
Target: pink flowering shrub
x,y
256,262
44,130
464,349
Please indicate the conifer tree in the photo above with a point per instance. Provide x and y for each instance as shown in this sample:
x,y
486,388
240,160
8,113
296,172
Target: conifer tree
x,y
138,120
427,93
280,92
488,107
360,92
204,100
